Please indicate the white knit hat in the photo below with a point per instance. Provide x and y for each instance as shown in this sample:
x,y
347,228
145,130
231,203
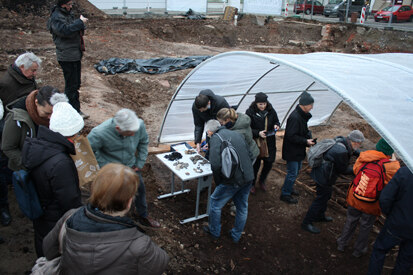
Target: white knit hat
x,y
65,120
127,120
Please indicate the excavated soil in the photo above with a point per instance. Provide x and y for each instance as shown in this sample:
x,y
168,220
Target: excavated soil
x,y
273,242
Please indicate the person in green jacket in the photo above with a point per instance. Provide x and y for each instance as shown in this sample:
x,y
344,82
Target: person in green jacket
x,y
123,139
240,123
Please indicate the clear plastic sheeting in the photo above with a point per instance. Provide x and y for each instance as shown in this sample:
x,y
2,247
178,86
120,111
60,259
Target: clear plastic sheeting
x,y
149,66
377,86
265,7
184,5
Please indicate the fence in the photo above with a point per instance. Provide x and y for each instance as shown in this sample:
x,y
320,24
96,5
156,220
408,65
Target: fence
x,y
265,7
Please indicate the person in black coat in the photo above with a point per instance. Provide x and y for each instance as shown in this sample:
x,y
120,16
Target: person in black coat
x,y
297,138
396,202
336,161
205,107
67,34
264,124
52,170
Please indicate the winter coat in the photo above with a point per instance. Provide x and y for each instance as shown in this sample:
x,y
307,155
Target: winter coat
x,y
53,172
245,173
242,126
296,135
396,202
200,118
96,243
17,126
390,169
336,161
258,125
14,85
109,146
66,31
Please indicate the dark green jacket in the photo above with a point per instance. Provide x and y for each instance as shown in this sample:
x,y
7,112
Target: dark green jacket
x,y
18,125
242,126
14,85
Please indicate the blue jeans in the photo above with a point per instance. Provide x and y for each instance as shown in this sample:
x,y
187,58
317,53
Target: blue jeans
x,y
293,167
386,241
222,194
140,199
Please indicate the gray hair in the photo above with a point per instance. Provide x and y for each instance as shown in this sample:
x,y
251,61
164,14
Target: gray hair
x,y
58,97
127,120
212,125
27,59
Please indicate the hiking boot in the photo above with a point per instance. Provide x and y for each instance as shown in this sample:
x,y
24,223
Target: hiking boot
x,y
205,228
295,193
310,228
324,219
341,248
83,115
5,217
359,254
149,222
232,239
288,199
252,190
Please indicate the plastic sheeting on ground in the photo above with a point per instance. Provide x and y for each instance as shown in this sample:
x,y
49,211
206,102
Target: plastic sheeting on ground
x,y
148,66
377,86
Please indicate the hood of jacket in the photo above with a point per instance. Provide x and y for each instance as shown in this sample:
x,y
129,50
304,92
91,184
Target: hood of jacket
x,y
46,145
371,155
243,122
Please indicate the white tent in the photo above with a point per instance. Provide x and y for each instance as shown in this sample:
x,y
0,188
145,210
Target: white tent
x,y
379,87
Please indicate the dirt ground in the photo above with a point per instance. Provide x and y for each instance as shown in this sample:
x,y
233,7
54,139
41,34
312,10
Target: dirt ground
x,y
273,242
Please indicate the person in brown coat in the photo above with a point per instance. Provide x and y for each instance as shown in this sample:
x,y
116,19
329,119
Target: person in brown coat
x,y
100,238
19,79
363,212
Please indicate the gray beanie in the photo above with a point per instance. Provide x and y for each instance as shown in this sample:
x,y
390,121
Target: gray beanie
x,y
356,136
306,99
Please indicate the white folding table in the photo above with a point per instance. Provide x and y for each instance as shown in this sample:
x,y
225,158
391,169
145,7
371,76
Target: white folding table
x,y
185,174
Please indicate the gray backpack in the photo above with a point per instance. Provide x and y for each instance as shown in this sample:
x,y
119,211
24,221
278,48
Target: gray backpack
x,y
230,160
316,152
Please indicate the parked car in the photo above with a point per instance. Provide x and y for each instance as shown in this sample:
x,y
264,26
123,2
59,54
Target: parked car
x,y
331,9
400,13
305,6
354,6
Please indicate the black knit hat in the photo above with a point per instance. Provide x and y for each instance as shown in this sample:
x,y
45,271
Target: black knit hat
x,y
62,2
261,97
306,99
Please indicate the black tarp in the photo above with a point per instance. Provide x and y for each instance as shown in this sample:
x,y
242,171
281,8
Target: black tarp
x,y
149,66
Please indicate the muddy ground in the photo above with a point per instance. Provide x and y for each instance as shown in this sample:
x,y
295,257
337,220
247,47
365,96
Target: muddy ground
x,y
273,242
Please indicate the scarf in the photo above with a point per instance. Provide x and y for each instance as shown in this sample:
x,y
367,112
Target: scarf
x,y
32,110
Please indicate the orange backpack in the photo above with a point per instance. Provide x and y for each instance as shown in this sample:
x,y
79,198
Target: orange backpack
x,y
369,181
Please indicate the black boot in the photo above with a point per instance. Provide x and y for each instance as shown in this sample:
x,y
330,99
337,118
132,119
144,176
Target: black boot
x,y
5,218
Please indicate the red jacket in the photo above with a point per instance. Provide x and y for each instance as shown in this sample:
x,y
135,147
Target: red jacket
x,y
390,169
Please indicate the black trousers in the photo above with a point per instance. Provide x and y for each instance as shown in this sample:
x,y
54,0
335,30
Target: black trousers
x,y
72,75
319,206
265,169
41,228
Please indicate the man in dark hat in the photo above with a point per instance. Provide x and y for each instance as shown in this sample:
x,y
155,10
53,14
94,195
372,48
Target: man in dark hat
x,y
336,161
68,37
297,138
205,107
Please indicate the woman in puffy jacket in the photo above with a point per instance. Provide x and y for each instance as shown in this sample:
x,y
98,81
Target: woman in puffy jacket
x,y
100,238
264,120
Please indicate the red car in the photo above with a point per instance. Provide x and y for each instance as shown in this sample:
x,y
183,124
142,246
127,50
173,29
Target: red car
x,y
400,13
305,6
